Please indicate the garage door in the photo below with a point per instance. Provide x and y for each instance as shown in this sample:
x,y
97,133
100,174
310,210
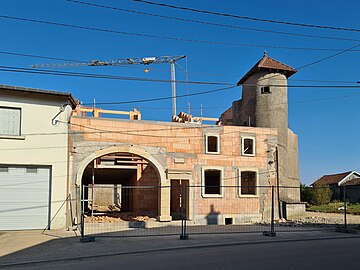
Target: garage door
x,y
24,197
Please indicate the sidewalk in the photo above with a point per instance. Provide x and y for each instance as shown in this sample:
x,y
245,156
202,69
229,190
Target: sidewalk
x,y
24,247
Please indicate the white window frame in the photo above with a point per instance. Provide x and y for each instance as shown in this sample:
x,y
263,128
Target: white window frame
x,y
218,144
215,168
243,138
20,120
256,171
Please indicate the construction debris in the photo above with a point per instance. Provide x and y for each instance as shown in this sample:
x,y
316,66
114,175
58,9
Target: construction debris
x,y
119,217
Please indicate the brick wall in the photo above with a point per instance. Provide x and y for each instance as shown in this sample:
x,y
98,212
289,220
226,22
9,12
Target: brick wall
x,y
186,142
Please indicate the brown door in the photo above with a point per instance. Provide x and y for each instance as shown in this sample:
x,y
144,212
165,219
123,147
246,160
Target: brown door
x,y
178,200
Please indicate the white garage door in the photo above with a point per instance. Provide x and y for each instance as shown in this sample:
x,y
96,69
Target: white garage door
x,y
24,197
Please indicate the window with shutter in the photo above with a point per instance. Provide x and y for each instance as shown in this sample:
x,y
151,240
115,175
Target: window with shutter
x,y
10,121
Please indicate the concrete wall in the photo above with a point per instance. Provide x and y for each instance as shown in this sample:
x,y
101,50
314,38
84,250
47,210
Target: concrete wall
x,y
40,143
179,150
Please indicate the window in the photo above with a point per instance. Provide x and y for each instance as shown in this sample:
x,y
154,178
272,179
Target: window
x,y
4,169
265,90
10,121
212,144
248,183
248,146
31,170
212,182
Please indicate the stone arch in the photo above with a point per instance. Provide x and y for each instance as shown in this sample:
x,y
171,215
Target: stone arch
x,y
132,149
164,194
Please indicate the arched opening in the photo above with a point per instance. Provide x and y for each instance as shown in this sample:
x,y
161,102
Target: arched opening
x,y
121,185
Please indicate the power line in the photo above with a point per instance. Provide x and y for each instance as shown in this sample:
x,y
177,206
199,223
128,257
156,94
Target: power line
x,y
165,98
40,56
249,18
168,37
210,23
317,61
193,72
328,57
12,69
101,76
222,89
195,126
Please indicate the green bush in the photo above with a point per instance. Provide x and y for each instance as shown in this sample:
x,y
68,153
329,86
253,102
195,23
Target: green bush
x,y
321,194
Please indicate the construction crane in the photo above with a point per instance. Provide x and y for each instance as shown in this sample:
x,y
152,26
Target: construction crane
x,y
127,61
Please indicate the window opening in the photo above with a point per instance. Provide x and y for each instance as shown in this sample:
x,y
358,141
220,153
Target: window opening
x,y
265,90
4,169
248,146
212,182
31,170
228,221
248,183
212,144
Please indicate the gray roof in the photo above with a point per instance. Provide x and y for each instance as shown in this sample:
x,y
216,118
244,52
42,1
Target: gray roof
x,y
40,91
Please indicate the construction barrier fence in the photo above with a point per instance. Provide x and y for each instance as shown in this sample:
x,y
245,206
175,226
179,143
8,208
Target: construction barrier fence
x,y
184,210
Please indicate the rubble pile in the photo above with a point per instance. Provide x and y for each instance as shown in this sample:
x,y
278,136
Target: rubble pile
x,y
118,217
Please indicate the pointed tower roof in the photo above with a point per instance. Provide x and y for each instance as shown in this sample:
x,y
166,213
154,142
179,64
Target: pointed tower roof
x,y
267,63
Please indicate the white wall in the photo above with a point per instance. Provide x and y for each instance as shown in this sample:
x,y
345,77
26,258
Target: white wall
x,y
41,143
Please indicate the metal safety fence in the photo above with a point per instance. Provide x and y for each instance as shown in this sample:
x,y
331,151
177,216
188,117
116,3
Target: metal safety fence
x,y
180,209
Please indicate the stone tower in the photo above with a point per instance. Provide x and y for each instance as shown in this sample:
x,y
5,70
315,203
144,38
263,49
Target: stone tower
x,y
264,103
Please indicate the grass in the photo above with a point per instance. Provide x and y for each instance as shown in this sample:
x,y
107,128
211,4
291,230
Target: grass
x,y
334,207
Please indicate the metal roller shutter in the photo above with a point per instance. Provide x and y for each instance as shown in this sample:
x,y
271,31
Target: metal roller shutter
x,y
24,197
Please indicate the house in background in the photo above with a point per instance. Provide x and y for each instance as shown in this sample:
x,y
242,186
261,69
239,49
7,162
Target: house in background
x,y
349,179
34,157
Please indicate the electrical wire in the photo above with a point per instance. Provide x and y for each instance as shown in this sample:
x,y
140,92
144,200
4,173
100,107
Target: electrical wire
x,y
168,37
195,126
101,76
41,56
248,17
210,23
186,71
328,57
222,89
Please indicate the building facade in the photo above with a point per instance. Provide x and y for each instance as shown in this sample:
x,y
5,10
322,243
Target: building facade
x,y
212,160
34,157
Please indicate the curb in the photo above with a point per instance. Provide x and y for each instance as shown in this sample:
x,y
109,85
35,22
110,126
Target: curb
x,y
178,248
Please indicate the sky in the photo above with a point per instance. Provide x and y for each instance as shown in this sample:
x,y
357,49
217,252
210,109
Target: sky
x,y
326,119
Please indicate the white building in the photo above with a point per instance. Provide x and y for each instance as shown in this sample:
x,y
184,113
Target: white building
x,y
33,157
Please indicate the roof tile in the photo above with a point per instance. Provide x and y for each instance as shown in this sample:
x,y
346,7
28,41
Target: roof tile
x,y
271,64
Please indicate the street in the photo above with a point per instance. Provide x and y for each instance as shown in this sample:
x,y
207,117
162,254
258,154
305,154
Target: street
x,y
314,254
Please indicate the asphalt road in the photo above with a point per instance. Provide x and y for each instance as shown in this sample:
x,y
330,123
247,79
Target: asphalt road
x,y
316,254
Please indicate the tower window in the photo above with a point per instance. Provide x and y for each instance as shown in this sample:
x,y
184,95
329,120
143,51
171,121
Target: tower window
x,y
265,90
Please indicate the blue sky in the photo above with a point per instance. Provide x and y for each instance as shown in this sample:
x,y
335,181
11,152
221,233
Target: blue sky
x,y
326,119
